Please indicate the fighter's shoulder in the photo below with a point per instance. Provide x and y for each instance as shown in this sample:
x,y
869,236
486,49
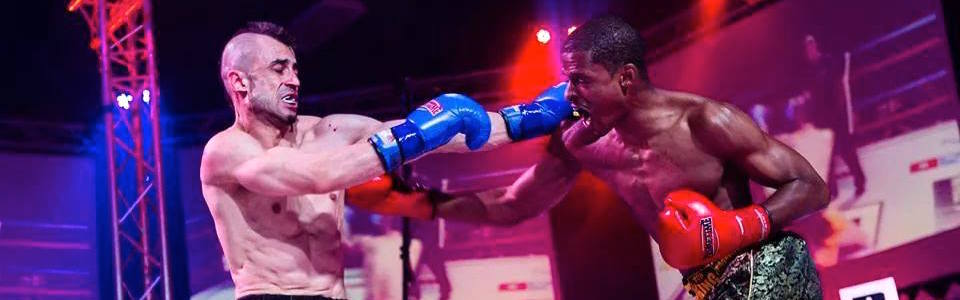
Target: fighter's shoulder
x,y
712,115
345,122
225,150
221,143
353,120
723,126
306,122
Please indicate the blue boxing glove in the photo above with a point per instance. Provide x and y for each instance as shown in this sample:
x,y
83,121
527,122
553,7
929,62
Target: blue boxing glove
x,y
540,117
432,125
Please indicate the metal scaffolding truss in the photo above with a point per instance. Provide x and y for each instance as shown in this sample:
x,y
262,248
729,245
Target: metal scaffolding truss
x,y
121,32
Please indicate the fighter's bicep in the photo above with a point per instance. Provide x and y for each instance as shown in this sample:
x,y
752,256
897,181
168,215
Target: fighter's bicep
x,y
374,128
731,135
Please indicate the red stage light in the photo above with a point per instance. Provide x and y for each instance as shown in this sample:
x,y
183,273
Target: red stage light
x,y
74,5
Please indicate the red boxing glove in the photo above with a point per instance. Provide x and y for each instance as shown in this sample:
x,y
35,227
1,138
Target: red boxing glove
x,y
375,190
378,196
694,232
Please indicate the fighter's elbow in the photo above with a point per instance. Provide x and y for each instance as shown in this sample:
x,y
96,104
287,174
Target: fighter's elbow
x,y
819,193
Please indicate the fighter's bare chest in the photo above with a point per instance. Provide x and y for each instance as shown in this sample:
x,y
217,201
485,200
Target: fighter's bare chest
x,y
645,171
314,214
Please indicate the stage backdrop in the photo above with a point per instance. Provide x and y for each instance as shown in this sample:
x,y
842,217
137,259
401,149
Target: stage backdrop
x,y
857,87
48,231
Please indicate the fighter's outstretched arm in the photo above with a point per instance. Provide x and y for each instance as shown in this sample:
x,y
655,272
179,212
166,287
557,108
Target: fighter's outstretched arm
x,y
285,171
288,171
448,123
539,188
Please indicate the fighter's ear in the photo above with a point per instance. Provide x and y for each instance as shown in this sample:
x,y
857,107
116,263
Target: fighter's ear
x,y
628,76
238,81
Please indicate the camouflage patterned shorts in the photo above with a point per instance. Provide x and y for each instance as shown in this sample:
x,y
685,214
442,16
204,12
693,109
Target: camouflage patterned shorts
x,y
778,268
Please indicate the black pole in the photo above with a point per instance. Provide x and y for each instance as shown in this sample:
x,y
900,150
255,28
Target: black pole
x,y
407,96
405,257
952,23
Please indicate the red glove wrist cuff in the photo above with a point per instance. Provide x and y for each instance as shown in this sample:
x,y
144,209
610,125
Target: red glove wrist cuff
x,y
757,222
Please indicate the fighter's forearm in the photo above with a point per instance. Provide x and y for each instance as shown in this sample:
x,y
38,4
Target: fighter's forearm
x,y
796,199
505,210
538,189
468,208
285,171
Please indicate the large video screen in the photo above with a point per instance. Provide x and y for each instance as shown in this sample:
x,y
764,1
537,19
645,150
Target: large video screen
x,y
864,90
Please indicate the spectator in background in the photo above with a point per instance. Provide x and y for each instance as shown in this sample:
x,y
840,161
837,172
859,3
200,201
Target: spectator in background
x,y
432,257
825,98
382,266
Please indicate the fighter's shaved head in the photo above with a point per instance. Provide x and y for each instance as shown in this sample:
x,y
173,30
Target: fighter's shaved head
x,y
258,68
239,53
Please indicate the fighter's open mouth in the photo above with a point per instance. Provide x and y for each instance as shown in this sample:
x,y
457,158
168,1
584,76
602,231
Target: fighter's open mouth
x,y
289,99
580,113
